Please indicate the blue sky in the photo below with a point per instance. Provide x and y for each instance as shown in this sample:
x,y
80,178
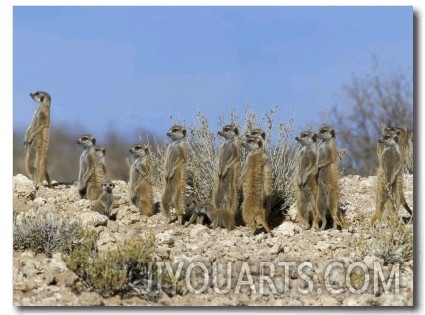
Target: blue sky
x,y
134,67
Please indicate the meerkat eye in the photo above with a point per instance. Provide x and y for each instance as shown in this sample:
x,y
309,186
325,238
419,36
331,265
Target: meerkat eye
x,y
303,135
175,130
322,130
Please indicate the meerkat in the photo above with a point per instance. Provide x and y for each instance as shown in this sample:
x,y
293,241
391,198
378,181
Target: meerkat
x,y
267,173
305,184
86,162
251,181
141,193
36,140
175,172
327,180
199,211
225,194
92,167
103,203
390,168
401,133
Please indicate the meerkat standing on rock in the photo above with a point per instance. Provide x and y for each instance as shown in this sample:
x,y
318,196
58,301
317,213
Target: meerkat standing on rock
x,y
92,168
225,195
251,181
141,193
175,172
267,173
103,203
36,140
401,133
305,184
327,179
390,168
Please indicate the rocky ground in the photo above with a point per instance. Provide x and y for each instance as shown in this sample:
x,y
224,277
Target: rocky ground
x,y
292,267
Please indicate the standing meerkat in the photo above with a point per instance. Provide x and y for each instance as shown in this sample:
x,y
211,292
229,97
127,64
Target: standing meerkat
x,y
36,140
94,174
327,179
401,133
175,172
267,173
141,193
305,184
251,181
225,195
103,203
390,167
87,141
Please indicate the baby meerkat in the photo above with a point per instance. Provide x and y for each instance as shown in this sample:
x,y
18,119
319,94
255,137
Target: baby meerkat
x,y
36,140
251,181
103,203
305,184
141,193
225,195
199,211
175,172
390,167
327,179
267,173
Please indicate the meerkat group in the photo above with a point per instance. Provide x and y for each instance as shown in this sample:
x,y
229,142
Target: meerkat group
x,y
315,177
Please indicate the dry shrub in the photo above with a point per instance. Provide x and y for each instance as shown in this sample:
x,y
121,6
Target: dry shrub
x,y
44,232
126,270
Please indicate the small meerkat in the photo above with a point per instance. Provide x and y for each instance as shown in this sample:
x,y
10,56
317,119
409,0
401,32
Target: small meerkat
x,y
175,172
225,194
103,203
251,181
305,184
199,211
401,133
390,167
267,173
36,140
327,180
141,193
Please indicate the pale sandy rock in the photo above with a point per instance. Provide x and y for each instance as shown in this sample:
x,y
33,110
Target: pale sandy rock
x,y
93,219
360,300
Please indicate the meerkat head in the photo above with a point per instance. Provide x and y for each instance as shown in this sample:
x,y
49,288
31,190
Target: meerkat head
x,y
326,133
108,186
306,138
251,143
229,132
139,150
41,98
176,132
191,203
86,141
258,132
100,151
389,139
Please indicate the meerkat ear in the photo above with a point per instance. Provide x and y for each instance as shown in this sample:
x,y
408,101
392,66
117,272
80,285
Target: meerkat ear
x,y
94,141
184,132
146,150
333,133
263,135
236,131
260,143
103,151
314,137
42,98
396,139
